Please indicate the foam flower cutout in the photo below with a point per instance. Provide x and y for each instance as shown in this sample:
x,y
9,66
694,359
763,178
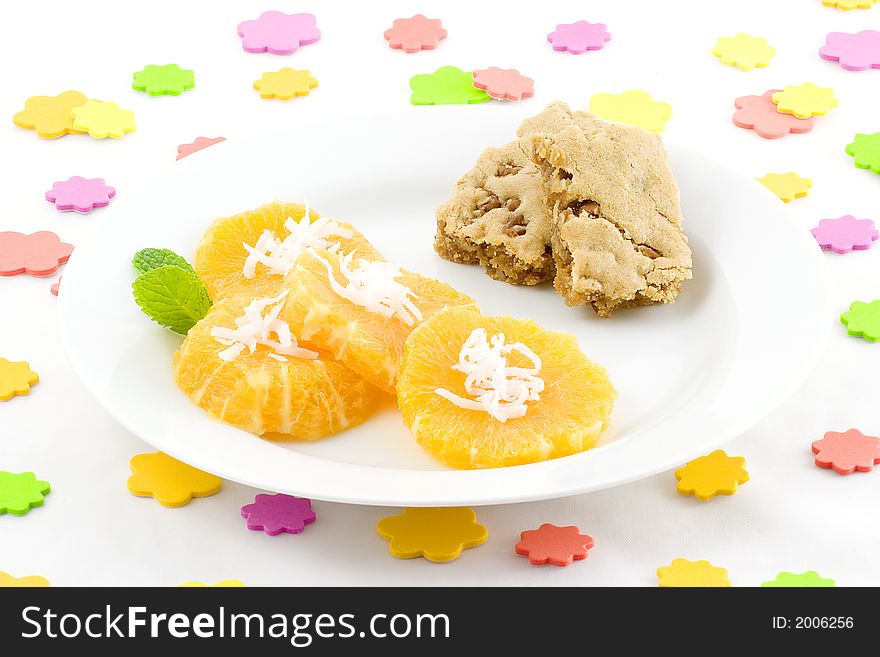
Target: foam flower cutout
x,y
49,116
30,581
504,84
447,85
169,481
279,513
285,84
845,233
37,254
579,37
16,378
278,33
715,474
633,107
682,572
415,34
759,113
805,100
80,194
200,143
169,79
865,151
743,51
847,452
222,584
848,5
557,546
437,534
863,320
102,119
787,186
809,579
55,286
854,52
19,493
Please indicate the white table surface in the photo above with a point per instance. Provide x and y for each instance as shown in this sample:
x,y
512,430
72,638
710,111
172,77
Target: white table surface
x,y
91,531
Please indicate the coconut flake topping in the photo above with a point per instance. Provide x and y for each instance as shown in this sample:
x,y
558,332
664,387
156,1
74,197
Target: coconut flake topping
x,y
499,390
280,255
255,327
372,285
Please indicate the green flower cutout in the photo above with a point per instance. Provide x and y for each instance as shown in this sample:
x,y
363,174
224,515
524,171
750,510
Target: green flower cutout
x,y
865,150
448,85
158,80
809,579
20,492
863,320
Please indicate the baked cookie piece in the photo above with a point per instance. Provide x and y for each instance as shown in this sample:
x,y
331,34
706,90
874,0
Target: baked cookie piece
x,y
616,219
497,217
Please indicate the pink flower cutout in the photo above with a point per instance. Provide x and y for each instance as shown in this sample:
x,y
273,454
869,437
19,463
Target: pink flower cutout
x,y
845,233
415,34
759,113
579,37
558,546
38,254
847,452
504,84
278,33
854,52
80,194
279,513
55,286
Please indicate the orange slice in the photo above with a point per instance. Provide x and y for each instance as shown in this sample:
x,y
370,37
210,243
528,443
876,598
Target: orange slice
x,y
221,255
296,398
572,411
368,343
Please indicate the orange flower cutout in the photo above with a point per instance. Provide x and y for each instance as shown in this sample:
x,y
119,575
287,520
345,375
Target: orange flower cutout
x,y
8,581
437,534
16,378
692,574
169,481
49,116
715,474
557,546
285,84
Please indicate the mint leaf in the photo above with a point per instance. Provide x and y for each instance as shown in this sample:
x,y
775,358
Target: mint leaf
x,y
172,296
148,259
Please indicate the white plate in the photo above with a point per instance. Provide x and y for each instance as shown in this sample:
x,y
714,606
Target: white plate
x,y
742,335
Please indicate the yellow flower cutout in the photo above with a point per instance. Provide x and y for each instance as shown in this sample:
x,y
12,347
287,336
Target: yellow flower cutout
x,y
634,107
847,5
8,581
169,481
743,51
102,119
787,186
50,116
715,474
222,584
692,573
805,100
16,378
437,534
285,84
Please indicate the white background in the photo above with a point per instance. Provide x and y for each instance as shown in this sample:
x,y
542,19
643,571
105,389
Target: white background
x,y
790,516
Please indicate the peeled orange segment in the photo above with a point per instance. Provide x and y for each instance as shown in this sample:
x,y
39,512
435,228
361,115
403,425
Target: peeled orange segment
x,y
220,256
572,411
362,340
291,399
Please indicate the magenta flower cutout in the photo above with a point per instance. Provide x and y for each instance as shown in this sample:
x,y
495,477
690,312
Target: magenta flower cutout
x,y
415,34
38,254
854,52
579,37
80,194
847,452
278,33
504,84
279,513
759,113
845,233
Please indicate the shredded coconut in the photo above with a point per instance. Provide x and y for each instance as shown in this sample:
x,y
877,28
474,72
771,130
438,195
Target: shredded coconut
x,y
280,255
499,390
372,285
255,328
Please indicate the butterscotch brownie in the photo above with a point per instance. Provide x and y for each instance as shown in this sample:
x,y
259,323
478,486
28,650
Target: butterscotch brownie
x,y
616,232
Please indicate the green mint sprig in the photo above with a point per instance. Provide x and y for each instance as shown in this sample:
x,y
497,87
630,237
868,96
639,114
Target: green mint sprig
x,y
168,290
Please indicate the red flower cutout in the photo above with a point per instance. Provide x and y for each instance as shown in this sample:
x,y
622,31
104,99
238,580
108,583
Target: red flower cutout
x,y
759,113
38,254
416,33
504,84
847,452
558,546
